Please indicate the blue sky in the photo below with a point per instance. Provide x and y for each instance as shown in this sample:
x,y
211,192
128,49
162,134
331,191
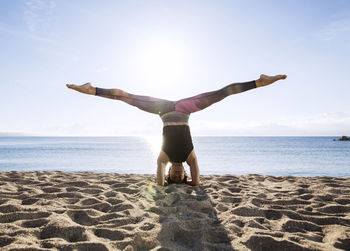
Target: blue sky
x,y
175,49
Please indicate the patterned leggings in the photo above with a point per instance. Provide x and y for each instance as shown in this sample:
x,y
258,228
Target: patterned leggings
x,y
187,105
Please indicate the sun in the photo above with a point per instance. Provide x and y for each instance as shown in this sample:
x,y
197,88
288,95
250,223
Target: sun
x,y
163,60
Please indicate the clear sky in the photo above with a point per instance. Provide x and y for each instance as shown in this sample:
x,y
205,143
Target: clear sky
x,y
172,50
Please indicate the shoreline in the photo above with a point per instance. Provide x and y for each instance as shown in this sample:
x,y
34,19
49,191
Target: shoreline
x,y
109,211
187,171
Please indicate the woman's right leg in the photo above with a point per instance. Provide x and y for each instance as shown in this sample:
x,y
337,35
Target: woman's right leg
x,y
145,103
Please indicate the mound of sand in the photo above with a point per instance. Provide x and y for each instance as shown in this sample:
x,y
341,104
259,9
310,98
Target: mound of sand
x,y
90,211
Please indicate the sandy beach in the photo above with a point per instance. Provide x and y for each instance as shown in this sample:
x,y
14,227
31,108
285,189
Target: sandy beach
x,y
94,211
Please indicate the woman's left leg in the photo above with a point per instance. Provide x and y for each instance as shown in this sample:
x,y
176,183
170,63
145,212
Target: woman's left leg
x,y
202,101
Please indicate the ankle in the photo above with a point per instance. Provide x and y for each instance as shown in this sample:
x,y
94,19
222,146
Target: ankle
x,y
93,90
259,83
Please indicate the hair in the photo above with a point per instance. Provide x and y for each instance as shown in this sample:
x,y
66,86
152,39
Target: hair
x,y
171,182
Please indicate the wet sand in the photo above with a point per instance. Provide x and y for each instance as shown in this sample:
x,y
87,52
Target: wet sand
x,y
94,211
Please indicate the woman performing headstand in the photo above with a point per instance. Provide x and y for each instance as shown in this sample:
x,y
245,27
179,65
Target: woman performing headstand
x,y
177,144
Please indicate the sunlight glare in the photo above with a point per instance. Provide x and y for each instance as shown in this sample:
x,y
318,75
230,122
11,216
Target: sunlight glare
x,y
163,60
155,143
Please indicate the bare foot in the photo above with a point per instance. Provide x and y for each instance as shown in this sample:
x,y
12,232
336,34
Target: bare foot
x,y
85,88
266,80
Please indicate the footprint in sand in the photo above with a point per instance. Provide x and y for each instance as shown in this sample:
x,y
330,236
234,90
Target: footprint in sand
x,y
71,233
11,217
255,242
114,235
4,241
300,226
34,223
70,195
51,190
81,217
76,246
343,244
29,201
9,208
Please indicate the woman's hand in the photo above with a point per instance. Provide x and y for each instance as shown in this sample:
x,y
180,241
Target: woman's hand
x,y
192,183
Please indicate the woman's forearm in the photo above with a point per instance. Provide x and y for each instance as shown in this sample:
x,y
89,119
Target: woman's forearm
x,y
160,172
194,174
194,169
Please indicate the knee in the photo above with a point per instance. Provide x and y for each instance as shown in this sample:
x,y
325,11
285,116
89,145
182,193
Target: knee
x,y
117,92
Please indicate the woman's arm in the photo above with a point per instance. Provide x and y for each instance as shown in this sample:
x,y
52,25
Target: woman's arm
x,y
162,161
160,174
194,169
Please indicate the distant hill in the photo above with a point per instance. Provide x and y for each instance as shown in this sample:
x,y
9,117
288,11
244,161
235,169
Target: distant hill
x,y
343,138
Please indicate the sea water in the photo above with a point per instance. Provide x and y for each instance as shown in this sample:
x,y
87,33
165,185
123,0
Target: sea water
x,y
300,156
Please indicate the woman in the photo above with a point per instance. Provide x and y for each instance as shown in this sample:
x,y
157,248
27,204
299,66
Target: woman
x,y
177,144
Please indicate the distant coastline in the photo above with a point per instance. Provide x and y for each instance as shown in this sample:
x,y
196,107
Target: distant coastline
x,y
12,134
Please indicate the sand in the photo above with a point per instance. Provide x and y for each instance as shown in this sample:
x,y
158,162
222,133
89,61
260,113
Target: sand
x,y
91,211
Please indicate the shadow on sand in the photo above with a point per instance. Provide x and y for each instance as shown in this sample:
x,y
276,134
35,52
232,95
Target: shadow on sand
x,y
189,220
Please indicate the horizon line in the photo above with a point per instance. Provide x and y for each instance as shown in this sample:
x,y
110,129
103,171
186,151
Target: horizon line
x,y
155,135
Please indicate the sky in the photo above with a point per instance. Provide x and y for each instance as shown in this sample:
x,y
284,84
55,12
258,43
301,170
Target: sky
x,y
173,50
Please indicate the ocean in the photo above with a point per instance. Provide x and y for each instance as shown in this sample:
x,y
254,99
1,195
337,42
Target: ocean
x,y
299,156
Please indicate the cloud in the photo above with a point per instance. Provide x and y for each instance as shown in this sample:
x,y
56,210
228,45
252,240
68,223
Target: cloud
x,y
45,45
325,124
337,29
38,13
25,34
38,27
37,18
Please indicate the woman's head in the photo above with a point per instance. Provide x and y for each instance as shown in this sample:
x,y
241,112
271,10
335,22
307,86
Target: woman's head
x,y
177,173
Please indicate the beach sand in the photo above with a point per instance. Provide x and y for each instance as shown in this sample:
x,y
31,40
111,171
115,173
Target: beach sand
x,y
94,211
